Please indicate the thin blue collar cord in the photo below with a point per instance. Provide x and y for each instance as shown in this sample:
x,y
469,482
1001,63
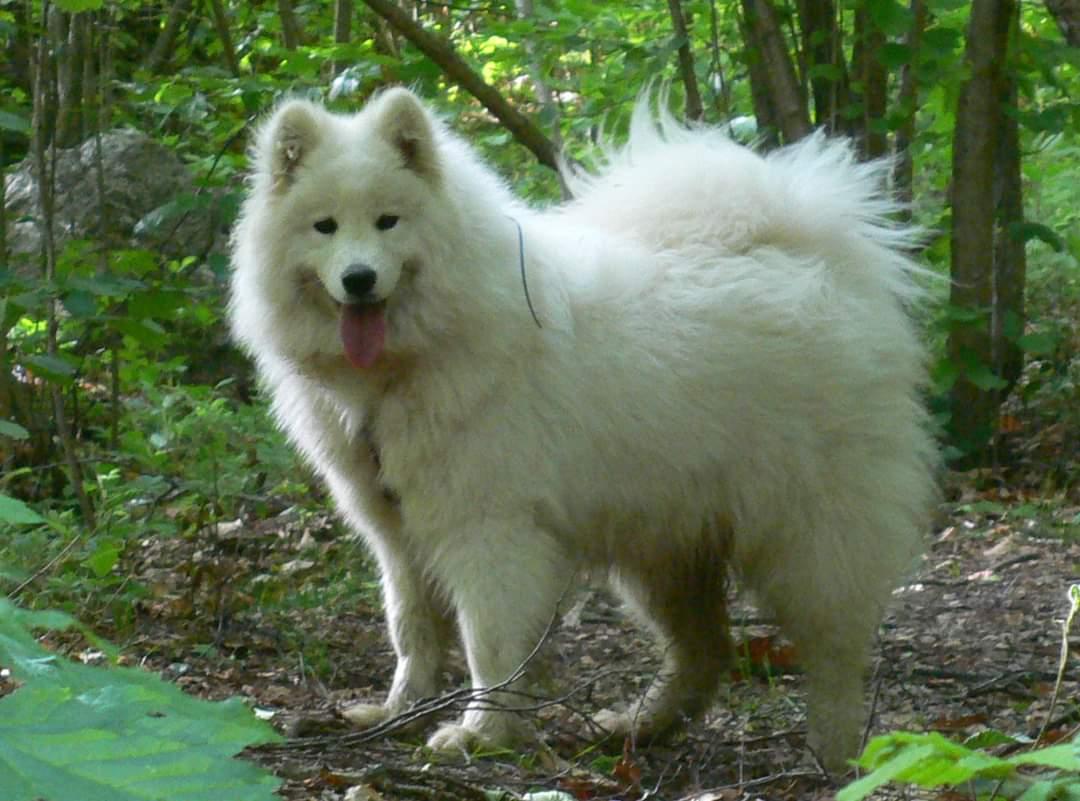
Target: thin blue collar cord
x,y
524,276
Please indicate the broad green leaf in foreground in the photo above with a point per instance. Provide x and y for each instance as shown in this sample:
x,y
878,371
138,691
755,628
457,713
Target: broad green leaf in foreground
x,y
72,732
932,760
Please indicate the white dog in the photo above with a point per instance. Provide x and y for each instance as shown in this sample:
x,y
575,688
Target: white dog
x,y
701,365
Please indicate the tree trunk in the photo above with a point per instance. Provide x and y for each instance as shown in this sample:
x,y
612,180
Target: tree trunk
x,y
873,82
768,122
343,14
907,102
1010,258
221,25
694,109
44,161
6,379
163,47
823,56
291,32
776,70
1067,15
67,33
979,121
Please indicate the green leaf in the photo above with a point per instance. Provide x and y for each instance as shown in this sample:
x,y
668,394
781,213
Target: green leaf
x,y
73,732
14,122
941,41
51,368
891,769
1040,791
105,556
145,332
1012,325
13,430
75,6
15,512
80,304
156,304
983,377
1063,757
168,213
104,284
1038,343
989,738
944,375
830,72
894,55
889,16
1026,231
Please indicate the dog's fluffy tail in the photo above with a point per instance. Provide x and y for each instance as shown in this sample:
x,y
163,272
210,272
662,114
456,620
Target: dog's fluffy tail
x,y
813,195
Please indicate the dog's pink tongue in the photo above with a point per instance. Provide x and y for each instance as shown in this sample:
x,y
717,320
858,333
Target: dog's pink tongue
x,y
363,333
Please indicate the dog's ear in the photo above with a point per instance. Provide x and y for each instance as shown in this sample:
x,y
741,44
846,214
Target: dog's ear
x,y
287,139
404,122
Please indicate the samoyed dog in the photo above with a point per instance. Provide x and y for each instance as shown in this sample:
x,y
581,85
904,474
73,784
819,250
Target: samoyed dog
x,y
702,366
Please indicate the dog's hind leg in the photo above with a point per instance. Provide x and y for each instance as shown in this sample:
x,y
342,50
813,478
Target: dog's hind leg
x,y
683,599
828,592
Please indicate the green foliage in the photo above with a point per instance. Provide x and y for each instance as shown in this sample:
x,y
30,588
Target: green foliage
x,y
71,731
169,442
931,760
188,456
14,512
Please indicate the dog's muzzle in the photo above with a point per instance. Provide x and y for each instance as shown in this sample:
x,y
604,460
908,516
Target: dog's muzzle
x,y
358,281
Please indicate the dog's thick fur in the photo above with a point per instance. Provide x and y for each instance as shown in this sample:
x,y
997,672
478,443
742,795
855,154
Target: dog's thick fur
x,y
721,378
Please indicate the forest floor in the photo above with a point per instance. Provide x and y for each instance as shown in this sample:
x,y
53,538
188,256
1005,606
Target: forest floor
x,y
971,642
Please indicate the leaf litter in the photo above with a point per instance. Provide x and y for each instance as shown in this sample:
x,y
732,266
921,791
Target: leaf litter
x,y
284,612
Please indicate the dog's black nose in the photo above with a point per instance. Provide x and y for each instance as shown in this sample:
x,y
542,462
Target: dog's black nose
x,y
358,281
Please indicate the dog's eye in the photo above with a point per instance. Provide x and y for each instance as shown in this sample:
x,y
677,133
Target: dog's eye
x,y
326,226
386,222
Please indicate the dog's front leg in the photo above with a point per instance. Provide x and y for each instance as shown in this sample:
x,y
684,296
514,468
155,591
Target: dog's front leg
x,y
417,618
505,579
420,630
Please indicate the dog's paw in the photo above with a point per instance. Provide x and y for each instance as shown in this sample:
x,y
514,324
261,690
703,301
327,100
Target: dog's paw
x,y
632,723
617,724
366,716
456,739
482,730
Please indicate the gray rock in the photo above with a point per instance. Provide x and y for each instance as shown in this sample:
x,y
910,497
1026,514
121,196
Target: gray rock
x,y
150,201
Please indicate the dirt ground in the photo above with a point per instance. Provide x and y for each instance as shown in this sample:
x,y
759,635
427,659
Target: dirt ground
x,y
971,642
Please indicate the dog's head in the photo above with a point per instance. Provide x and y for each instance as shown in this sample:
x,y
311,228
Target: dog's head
x,y
342,216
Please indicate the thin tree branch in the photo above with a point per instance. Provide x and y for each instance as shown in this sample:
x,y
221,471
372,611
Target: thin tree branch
x,y
716,66
694,109
166,40
221,25
904,171
45,169
444,55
